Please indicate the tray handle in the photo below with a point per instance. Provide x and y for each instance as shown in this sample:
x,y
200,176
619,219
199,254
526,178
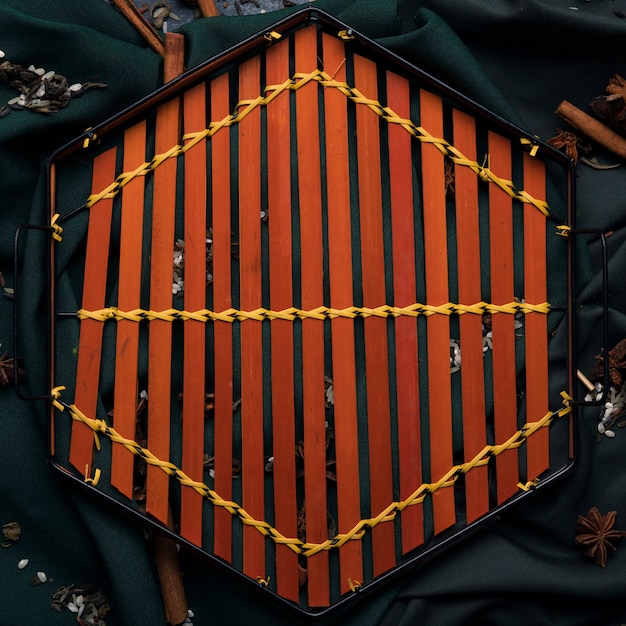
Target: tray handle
x,y
51,229
605,314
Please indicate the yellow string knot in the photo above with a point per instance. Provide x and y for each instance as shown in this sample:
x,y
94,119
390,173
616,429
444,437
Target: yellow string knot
x,y
56,229
96,476
55,394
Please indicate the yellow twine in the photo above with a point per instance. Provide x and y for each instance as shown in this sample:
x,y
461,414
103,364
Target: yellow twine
x,y
319,313
308,549
299,80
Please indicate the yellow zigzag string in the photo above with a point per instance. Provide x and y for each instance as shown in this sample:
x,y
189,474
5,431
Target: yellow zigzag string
x,y
299,547
244,107
320,313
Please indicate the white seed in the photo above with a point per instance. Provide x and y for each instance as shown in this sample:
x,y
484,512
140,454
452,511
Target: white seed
x,y
13,100
41,91
22,564
42,576
609,433
75,87
49,74
2,55
40,71
31,68
601,429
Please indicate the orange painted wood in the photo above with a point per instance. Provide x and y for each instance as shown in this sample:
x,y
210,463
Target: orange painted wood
x,y
536,324
160,331
281,297
251,337
222,300
438,326
195,228
373,280
502,324
407,377
309,188
342,329
94,291
470,326
129,292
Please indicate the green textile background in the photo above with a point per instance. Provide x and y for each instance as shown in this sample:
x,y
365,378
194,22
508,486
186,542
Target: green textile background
x,y
520,59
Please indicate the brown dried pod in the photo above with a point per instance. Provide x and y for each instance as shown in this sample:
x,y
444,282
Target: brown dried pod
x,y
617,85
616,365
611,109
570,143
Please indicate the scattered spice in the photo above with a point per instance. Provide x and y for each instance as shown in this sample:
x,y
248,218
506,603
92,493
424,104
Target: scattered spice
x,y
209,403
209,464
449,179
89,604
160,12
570,143
7,370
40,90
596,534
596,165
11,532
616,365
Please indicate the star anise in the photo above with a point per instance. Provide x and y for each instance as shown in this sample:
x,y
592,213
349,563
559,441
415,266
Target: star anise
x,y
8,370
596,534
570,143
449,179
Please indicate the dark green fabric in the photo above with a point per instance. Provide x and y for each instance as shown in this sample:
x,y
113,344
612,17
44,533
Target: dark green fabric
x,y
520,59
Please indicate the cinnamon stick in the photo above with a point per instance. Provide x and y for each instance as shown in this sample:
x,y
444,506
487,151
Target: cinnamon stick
x,y
171,578
148,32
174,61
208,8
592,128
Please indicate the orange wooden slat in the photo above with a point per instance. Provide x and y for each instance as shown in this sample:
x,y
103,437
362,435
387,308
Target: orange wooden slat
x,y
373,279
281,297
251,336
309,190
503,325
536,324
94,291
342,329
470,326
160,331
129,292
438,326
194,108
222,300
407,377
